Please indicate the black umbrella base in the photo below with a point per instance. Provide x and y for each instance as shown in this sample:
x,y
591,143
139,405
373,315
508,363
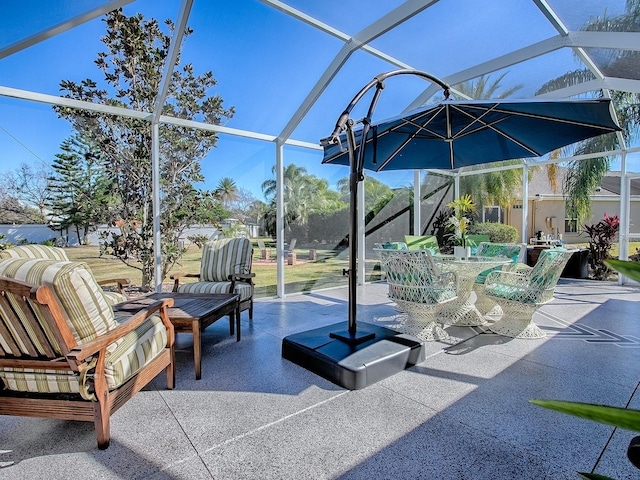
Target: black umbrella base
x,y
353,361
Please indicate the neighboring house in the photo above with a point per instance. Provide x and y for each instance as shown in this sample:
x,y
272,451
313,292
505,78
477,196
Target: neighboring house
x,y
546,211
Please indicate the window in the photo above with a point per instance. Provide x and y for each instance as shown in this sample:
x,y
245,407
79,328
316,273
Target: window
x,y
571,225
492,214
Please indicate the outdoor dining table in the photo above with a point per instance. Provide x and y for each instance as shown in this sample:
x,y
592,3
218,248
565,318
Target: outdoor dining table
x,y
462,311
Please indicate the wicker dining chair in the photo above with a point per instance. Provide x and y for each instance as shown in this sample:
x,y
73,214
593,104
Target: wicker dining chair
x,y
521,293
419,289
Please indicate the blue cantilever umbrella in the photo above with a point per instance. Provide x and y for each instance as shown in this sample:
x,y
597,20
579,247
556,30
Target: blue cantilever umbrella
x,y
454,134
448,135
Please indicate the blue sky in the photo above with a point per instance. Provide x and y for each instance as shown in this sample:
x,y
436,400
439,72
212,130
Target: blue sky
x,y
266,63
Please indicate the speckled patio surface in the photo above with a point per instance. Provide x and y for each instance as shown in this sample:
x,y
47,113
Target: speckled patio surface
x,y
463,413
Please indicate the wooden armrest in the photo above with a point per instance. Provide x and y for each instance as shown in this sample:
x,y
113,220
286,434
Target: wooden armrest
x,y
120,283
177,276
242,276
81,352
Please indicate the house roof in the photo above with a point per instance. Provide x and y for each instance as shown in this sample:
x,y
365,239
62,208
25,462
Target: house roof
x,y
610,184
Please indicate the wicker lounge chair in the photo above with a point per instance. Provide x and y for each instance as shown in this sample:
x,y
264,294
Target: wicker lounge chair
x,y
515,251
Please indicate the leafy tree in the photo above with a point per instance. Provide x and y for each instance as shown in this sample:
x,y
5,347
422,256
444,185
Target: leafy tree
x,y
136,50
304,194
79,190
25,189
584,176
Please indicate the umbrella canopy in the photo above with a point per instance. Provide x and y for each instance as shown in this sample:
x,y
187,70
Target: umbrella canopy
x,y
454,134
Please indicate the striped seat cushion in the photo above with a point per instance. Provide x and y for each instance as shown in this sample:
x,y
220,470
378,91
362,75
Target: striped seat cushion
x,y
88,311
124,358
35,251
243,289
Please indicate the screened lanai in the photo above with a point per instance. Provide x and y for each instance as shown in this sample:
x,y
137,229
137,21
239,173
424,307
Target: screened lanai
x,y
289,68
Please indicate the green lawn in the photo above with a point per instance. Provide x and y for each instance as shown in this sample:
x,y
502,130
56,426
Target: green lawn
x,y
305,275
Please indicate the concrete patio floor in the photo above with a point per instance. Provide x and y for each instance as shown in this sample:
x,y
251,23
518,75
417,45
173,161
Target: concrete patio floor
x,y
463,413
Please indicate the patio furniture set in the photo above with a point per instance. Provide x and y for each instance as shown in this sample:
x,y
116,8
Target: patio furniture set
x,y
72,351
434,289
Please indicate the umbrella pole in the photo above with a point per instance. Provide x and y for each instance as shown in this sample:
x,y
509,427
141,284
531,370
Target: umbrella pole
x,y
354,179
352,335
356,163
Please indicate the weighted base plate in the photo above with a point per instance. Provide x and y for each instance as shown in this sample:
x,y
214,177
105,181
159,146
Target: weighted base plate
x,y
353,365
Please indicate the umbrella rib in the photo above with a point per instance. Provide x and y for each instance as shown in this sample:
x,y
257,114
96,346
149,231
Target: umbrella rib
x,y
496,108
395,152
491,126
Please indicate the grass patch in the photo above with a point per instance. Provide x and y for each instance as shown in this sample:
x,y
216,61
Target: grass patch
x,y
304,276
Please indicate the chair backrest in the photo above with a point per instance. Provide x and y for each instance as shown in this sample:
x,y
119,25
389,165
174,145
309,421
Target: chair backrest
x,y
413,276
35,251
474,241
80,300
517,252
391,246
546,272
221,258
428,242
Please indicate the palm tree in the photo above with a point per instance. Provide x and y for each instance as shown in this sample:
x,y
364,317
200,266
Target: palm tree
x,y
303,194
584,176
495,187
376,193
226,191
484,88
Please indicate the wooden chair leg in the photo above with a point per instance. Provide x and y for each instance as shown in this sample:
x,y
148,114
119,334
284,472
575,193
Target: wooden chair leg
x,y
102,419
171,370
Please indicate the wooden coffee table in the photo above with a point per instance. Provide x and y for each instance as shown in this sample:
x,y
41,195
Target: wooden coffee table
x,y
192,313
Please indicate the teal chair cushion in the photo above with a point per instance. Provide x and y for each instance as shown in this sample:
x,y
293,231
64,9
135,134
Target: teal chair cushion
x,y
422,242
486,249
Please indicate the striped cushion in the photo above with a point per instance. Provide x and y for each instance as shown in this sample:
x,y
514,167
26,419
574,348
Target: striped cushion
x,y
35,251
124,358
242,289
81,297
221,258
135,350
37,380
114,297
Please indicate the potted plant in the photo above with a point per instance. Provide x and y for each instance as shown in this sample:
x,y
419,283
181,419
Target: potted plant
x,y
459,223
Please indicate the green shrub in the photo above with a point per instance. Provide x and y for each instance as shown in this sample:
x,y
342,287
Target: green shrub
x,y
498,232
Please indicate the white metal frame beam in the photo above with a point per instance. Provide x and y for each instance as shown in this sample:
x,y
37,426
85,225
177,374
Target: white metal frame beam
x,y
163,90
125,112
395,17
61,27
